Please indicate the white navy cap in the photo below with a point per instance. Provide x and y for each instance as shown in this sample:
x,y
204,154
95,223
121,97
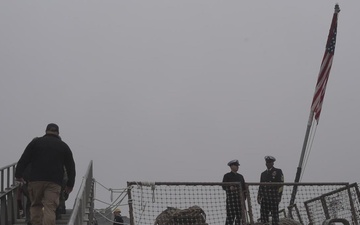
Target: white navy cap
x,y
234,162
117,210
269,158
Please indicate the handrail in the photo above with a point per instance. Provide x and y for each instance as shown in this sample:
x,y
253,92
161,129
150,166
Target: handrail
x,y
9,183
8,189
83,210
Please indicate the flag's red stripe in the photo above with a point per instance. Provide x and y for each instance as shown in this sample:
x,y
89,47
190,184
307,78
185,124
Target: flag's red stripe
x,y
325,68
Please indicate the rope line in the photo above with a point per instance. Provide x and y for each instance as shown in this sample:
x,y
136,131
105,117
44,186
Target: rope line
x,y
309,147
113,203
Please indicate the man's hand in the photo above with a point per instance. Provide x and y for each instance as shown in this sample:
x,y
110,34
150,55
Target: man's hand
x,y
20,180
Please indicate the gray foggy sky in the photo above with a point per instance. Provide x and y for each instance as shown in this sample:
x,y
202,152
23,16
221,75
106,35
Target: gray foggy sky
x,y
173,90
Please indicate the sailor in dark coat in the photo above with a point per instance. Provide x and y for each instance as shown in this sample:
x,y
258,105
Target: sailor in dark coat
x,y
269,196
117,217
233,193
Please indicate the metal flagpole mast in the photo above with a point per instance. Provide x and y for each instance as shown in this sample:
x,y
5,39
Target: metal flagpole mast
x,y
299,168
319,93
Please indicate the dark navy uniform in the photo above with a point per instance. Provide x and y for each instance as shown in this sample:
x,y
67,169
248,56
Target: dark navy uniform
x,y
233,199
118,220
117,217
269,196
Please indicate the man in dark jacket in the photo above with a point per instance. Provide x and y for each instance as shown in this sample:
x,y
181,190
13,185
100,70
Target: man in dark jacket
x,y
234,194
269,196
48,155
118,220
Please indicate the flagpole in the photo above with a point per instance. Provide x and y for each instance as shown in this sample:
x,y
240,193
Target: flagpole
x,y
299,168
318,96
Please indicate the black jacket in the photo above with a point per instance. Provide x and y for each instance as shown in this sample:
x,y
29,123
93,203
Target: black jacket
x,y
48,155
272,175
234,177
118,220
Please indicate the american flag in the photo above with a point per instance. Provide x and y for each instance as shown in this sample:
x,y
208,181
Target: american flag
x,y
325,67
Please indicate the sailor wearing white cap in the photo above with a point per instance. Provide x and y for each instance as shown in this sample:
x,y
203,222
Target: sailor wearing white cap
x,y
233,204
269,196
117,217
234,162
270,158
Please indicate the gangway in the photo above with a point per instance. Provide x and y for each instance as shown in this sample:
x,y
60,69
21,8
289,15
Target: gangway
x,y
80,214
